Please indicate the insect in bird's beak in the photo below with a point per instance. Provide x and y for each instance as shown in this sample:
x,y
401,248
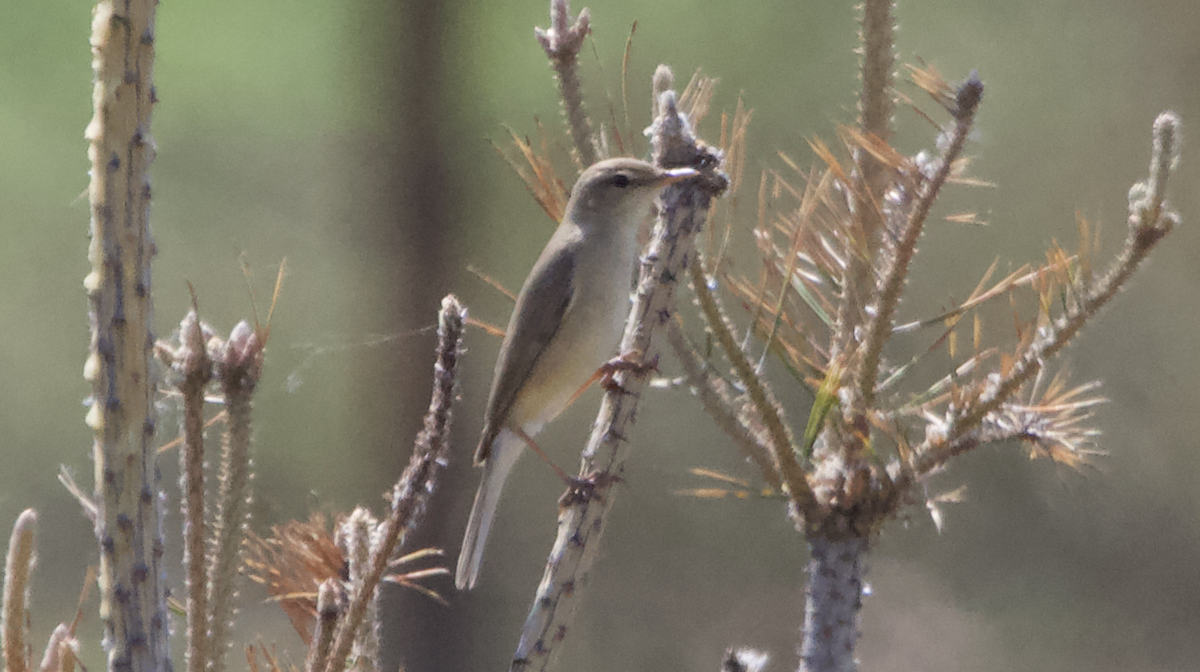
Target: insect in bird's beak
x,y
675,175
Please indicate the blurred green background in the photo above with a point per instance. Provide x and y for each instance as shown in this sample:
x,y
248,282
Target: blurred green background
x,y
354,139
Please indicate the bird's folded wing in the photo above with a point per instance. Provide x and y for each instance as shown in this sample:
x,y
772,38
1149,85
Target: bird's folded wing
x,y
541,307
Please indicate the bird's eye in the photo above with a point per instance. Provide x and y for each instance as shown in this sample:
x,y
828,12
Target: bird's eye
x,y
620,180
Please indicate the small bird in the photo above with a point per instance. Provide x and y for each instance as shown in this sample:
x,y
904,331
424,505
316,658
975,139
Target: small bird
x,y
567,323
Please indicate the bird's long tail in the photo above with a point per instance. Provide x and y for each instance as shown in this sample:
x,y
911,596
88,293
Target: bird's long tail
x,y
503,455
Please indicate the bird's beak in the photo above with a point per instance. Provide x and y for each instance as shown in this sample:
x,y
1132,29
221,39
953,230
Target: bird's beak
x,y
675,175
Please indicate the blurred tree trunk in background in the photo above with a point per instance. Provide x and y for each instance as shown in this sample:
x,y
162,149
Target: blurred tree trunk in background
x,y
399,203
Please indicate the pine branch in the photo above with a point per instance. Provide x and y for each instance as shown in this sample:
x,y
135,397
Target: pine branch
x,y
683,208
239,367
128,524
562,42
14,613
411,493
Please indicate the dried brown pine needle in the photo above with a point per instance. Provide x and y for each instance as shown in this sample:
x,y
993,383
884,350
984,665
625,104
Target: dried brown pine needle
x,y
538,174
270,661
929,80
220,416
489,328
261,329
733,148
1056,422
292,563
492,282
855,138
299,556
741,489
696,97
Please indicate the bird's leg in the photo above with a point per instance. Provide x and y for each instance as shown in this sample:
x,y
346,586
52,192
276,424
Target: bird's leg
x,y
626,361
538,451
630,361
582,489
579,488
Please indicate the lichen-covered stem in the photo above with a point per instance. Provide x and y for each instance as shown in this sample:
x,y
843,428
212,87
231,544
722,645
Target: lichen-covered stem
x,y
128,524
833,598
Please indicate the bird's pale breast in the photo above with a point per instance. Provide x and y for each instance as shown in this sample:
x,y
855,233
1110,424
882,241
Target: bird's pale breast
x,y
589,335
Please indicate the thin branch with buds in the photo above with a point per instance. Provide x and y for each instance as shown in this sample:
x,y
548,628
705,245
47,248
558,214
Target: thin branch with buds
x,y
562,42
238,363
14,613
197,372
411,494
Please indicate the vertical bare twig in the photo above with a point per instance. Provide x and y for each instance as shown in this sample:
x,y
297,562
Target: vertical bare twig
x,y
683,207
325,627
18,568
876,105
239,367
562,42
875,109
358,535
128,527
197,371
416,485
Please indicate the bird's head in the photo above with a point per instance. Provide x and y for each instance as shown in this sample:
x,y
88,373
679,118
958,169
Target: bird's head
x,y
619,191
